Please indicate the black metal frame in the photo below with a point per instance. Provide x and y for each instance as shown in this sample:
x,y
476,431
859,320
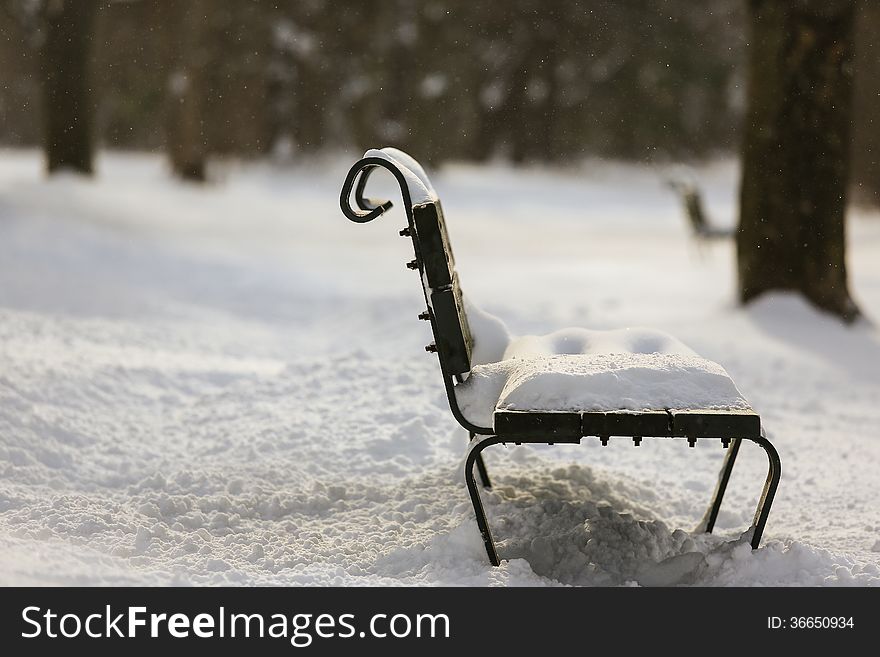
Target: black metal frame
x,y
474,457
435,263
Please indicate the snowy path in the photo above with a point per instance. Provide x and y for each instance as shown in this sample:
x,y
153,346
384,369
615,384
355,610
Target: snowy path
x,y
229,386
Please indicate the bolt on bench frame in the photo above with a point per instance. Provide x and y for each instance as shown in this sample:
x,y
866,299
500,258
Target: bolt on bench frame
x,y
453,344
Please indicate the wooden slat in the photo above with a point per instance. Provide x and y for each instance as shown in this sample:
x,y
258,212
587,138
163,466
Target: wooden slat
x,y
647,424
593,424
452,332
434,248
716,424
656,424
552,427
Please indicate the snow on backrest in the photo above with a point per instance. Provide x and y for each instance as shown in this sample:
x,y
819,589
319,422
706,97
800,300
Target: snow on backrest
x,y
415,168
417,183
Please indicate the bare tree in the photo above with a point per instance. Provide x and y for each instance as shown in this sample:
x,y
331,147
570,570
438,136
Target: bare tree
x,y
69,104
866,108
186,131
795,156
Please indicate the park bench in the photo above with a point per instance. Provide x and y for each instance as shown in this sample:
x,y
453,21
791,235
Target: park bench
x,y
692,204
561,389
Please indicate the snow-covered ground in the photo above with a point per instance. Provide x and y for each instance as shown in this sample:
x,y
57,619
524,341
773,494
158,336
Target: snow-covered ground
x,y
227,385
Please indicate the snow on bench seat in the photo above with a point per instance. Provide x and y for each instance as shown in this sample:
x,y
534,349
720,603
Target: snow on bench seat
x,y
581,370
597,382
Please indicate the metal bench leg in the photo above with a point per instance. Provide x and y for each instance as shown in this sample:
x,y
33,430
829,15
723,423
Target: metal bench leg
x,y
762,512
707,524
473,456
769,491
481,468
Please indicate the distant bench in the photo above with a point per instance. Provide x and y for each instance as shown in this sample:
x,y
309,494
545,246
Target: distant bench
x,y
562,387
692,203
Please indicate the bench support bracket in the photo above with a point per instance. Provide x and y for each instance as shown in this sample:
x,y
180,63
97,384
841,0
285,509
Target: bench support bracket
x,y
481,468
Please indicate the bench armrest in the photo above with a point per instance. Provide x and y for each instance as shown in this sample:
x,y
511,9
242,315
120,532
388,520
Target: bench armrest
x,y
368,209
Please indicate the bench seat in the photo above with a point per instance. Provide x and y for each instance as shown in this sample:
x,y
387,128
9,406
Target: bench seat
x,y
578,383
577,371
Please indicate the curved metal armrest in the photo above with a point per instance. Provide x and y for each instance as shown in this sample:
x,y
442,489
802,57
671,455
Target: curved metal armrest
x,y
369,209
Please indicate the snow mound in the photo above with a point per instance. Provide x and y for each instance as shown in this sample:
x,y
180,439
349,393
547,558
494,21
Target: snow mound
x,y
572,526
490,334
585,341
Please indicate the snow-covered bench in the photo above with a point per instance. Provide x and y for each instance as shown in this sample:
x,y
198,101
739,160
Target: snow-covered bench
x,y
560,388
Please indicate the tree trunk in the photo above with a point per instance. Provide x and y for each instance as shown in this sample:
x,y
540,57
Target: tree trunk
x,y
866,109
795,156
187,142
68,95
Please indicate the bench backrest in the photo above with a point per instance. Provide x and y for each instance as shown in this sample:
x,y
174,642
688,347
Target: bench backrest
x,y
434,258
442,288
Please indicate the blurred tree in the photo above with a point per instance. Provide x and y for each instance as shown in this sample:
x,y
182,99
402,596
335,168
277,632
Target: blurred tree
x,y
536,80
795,154
186,134
136,44
866,108
69,104
307,71
237,46
20,74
